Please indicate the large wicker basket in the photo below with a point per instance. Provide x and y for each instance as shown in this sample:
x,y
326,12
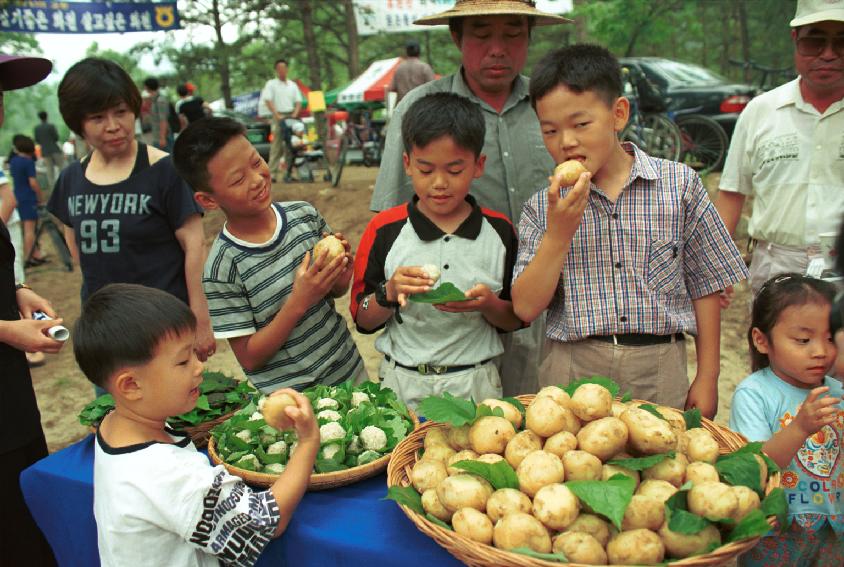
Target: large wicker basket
x,y
477,554
323,481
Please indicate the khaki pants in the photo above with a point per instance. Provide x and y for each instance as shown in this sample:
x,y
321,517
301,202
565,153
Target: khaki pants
x,y
770,259
479,383
519,363
279,149
656,373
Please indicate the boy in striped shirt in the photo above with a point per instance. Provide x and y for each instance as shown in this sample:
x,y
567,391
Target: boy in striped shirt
x,y
629,258
267,295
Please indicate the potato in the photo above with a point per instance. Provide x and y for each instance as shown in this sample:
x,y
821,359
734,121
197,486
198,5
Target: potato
x,y
519,446
432,271
272,408
331,246
675,419
609,471
643,512
464,491
670,470
699,472
560,443
648,434
436,436
521,530
464,455
712,500
590,402
748,500
580,465
555,506
592,525
659,489
618,408
439,453
636,547
539,469
490,434
426,474
432,505
489,458
545,417
506,501
763,471
603,437
569,172
682,545
555,393
475,525
579,547
458,437
699,445
511,412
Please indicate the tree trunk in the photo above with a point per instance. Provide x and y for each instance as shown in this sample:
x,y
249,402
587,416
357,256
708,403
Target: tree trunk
x,y
726,39
745,38
222,55
352,33
704,28
314,66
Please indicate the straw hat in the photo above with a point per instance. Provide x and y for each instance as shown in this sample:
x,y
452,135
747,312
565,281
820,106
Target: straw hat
x,y
464,8
812,11
17,72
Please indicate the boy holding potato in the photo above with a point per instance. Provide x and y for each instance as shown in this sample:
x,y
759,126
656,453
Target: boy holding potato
x,y
268,294
155,495
432,343
628,259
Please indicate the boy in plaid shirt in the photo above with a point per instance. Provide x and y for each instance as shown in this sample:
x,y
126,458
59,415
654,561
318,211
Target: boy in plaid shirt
x,y
629,258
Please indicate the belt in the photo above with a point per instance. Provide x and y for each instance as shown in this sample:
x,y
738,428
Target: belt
x,y
638,339
436,369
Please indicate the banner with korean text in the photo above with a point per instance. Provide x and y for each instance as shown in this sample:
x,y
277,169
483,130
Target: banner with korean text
x,y
40,16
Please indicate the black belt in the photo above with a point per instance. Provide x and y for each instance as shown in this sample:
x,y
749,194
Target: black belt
x,y
638,339
435,369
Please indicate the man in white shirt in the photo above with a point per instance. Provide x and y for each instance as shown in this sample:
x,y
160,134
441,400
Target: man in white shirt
x,y
788,151
280,99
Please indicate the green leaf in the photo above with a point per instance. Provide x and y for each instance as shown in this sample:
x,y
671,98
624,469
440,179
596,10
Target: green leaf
x,y
406,496
626,397
499,475
606,497
642,463
693,418
755,448
680,520
446,292
775,504
448,409
600,380
557,557
484,411
753,525
739,469
433,519
651,409
514,401
328,465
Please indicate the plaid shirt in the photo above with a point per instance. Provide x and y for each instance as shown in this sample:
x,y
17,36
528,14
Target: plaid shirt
x,y
636,265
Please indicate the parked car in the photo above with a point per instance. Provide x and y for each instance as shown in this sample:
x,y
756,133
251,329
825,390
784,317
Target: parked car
x,y
692,89
258,132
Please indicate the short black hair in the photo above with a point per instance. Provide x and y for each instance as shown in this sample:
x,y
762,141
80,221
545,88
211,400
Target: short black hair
x,y
123,324
151,83
43,116
279,60
23,143
444,114
93,85
411,48
579,68
198,144
182,90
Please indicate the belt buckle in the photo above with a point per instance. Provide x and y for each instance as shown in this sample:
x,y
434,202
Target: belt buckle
x,y
422,369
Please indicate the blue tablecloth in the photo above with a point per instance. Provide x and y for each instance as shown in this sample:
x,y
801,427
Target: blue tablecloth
x,y
349,526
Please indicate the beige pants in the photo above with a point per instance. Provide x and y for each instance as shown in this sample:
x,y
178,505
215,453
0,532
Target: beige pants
x,y
771,259
656,373
279,149
479,383
519,363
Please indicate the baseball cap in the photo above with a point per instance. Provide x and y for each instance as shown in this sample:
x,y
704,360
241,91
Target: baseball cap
x,y
19,71
812,11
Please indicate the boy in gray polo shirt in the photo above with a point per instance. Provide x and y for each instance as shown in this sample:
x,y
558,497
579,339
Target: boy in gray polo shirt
x,y
446,347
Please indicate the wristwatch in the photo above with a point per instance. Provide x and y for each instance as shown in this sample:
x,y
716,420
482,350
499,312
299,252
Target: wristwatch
x,y
381,296
21,286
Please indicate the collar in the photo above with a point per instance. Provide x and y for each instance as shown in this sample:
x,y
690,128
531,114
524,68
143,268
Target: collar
x,y
789,94
518,93
643,164
427,231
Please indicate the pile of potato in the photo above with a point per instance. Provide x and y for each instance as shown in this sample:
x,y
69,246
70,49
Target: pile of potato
x,y
568,438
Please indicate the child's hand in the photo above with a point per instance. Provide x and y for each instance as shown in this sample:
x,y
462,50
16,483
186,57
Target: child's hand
x,y
406,281
346,275
817,411
315,279
564,214
480,298
302,416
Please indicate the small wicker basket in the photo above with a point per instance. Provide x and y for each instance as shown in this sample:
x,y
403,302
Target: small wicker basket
x,y
322,481
477,554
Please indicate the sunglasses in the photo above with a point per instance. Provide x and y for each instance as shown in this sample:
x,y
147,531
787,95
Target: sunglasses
x,y
812,46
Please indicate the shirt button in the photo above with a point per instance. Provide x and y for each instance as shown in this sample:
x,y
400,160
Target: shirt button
x,y
447,238
623,319
506,154
615,215
618,264
445,267
512,189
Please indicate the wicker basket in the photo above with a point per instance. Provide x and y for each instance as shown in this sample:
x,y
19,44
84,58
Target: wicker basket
x,y
476,554
322,481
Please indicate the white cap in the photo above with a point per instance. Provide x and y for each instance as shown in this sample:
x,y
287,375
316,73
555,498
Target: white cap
x,y
812,11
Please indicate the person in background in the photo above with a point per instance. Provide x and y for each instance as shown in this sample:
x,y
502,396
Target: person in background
x,y
190,107
280,99
27,194
47,137
411,72
156,120
786,152
22,440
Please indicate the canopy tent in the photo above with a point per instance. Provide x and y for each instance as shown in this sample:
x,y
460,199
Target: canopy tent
x,y
368,88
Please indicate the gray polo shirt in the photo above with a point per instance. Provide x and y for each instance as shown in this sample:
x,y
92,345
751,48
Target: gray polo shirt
x,y
517,163
481,251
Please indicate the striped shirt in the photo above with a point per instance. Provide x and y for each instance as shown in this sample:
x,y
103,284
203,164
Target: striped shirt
x,y
246,285
636,265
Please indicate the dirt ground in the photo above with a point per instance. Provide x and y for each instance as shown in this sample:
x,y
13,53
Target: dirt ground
x,y
63,391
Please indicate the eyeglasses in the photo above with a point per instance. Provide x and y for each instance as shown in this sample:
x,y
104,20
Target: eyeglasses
x,y
814,45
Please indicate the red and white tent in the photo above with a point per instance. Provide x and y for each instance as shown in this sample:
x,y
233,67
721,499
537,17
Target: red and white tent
x,y
370,85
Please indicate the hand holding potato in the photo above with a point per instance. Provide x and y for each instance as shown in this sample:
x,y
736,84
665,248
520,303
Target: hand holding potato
x,y
565,213
314,279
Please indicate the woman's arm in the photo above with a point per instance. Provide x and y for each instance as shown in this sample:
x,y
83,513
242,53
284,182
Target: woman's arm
x,y
191,237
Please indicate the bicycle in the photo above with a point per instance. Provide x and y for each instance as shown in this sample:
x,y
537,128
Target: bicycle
x,y
704,142
649,127
362,137
786,73
45,224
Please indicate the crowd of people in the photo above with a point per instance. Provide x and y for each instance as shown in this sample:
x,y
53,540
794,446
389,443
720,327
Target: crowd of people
x,y
605,274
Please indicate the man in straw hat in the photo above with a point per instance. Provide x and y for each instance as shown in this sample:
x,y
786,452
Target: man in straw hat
x,y
788,151
493,38
21,437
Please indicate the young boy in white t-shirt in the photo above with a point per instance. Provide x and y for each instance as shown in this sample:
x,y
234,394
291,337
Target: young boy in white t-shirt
x,y
155,496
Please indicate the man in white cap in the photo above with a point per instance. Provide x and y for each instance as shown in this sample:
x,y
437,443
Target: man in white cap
x,y
788,151
21,437
493,39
